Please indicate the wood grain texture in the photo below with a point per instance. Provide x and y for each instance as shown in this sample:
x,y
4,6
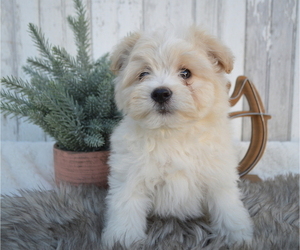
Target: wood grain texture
x,y
261,33
209,15
19,46
281,71
296,95
112,20
168,13
270,59
257,46
9,61
32,15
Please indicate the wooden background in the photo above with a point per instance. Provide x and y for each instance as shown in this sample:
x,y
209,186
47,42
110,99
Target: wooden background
x,y
263,35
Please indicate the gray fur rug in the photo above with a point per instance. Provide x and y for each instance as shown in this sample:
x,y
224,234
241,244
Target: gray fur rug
x,y
71,218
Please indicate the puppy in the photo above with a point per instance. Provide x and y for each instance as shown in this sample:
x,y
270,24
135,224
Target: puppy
x,y
172,154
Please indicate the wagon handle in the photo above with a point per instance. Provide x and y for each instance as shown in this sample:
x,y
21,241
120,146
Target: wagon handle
x,y
259,118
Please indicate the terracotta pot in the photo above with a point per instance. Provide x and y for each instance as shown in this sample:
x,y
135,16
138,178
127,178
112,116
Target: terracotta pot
x,y
81,167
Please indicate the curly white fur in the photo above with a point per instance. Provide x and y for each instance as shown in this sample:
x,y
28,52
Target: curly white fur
x,y
173,158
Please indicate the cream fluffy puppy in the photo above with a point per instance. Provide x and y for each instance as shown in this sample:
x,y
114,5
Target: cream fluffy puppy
x,y
172,154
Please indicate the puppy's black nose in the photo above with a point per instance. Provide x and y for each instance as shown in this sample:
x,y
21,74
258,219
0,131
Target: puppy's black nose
x,y
161,95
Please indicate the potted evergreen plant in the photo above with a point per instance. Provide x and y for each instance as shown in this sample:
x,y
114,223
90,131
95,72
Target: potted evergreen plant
x,y
71,98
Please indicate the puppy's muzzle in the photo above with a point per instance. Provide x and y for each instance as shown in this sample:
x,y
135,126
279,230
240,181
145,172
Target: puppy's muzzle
x,y
161,95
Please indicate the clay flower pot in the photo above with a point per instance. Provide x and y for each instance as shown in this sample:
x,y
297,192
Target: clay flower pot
x,y
80,167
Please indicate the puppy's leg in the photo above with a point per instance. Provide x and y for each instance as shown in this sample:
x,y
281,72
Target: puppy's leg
x,y
126,216
228,214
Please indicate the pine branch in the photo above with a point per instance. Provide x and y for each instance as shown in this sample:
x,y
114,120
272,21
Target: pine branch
x,y
24,87
10,96
65,117
103,61
68,61
15,83
36,75
63,107
80,27
108,124
105,94
45,49
67,134
94,140
70,98
41,43
92,105
14,110
40,64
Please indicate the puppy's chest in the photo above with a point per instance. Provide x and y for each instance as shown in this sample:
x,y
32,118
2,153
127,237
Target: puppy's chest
x,y
172,174
176,189
168,157
169,169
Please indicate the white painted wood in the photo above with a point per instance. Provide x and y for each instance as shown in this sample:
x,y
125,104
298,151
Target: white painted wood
x,y
28,12
295,112
168,13
112,20
233,35
9,128
270,57
208,16
17,17
261,34
281,68
257,47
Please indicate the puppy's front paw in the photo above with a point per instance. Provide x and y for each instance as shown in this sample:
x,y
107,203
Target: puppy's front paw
x,y
237,227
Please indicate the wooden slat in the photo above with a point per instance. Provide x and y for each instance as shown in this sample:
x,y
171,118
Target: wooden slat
x,y
281,63
269,61
295,111
67,9
18,14
208,15
28,13
257,49
158,14
112,20
9,59
53,22
232,23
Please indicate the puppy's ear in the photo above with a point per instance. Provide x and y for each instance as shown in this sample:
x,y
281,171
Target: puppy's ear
x,y
122,51
218,53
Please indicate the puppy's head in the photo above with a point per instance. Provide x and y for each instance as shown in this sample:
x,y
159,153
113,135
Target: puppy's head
x,y
171,79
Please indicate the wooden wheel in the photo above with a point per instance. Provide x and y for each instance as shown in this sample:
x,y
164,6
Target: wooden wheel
x,y
259,120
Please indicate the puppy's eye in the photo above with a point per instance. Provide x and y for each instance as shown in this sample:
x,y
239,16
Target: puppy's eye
x,y
185,73
143,74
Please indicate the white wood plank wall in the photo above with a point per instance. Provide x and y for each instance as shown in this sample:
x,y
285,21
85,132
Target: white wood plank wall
x,y
263,35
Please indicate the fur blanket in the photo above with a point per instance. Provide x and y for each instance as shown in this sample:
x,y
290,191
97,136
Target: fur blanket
x,y
71,218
